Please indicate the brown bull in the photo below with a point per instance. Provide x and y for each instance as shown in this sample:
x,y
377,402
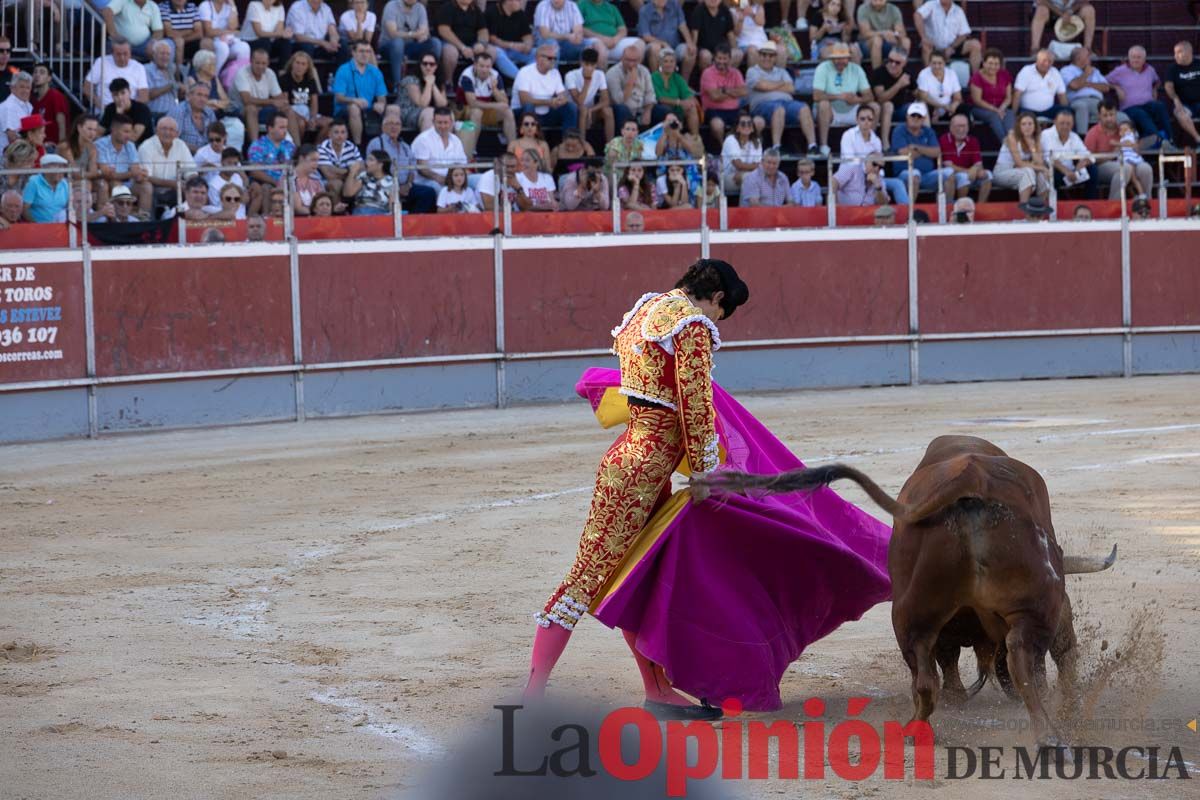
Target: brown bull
x,y
973,562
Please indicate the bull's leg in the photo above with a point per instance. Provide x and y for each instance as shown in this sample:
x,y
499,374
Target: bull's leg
x,y
919,655
946,654
1027,642
1065,652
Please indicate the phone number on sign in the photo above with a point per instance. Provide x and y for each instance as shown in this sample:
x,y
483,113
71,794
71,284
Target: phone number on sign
x,y
12,336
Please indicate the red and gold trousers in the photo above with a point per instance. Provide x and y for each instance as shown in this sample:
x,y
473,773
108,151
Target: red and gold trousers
x,y
633,480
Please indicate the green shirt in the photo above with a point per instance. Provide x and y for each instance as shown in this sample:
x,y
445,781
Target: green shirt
x,y
852,79
602,18
671,93
879,21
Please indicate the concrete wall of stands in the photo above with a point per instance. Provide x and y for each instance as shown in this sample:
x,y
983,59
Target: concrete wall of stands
x,y
210,335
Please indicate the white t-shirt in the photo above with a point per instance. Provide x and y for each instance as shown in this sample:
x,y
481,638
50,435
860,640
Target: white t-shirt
x,y
752,34
12,111
539,86
468,197
941,91
751,153
267,18
942,26
487,185
1053,147
263,88
1038,92
207,157
104,71
541,191
219,19
164,165
216,183
428,147
347,22
853,143
574,82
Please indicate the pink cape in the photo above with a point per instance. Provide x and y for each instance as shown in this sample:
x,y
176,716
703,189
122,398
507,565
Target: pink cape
x,y
727,593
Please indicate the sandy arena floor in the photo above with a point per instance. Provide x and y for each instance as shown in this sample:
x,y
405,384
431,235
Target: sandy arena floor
x,y
320,610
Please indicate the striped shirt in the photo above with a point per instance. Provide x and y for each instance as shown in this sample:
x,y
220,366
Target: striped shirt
x,y
557,20
328,157
181,21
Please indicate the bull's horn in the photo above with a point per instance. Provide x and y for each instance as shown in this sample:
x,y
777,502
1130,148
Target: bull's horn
x,y
1074,565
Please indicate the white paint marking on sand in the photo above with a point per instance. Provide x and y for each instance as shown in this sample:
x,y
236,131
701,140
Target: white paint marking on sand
x,y
405,735
1119,432
426,519
1135,461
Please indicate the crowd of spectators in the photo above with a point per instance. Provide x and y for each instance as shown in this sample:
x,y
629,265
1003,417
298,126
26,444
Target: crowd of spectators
x,y
387,103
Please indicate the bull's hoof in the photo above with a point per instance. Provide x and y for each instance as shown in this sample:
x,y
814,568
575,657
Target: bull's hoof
x,y
954,696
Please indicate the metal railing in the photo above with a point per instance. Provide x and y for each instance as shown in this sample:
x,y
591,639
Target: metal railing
x,y
68,40
616,168
1163,160
831,198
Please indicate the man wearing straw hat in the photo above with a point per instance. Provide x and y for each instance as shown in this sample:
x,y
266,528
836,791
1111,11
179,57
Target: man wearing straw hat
x,y
1072,15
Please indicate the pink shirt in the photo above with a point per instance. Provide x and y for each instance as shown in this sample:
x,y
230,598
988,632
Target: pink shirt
x,y
993,93
712,78
1138,86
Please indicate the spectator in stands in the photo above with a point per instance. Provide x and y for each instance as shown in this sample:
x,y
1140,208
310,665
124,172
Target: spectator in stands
x,y
299,81
118,160
456,197
79,148
944,29
839,88
49,102
992,94
406,32
626,147
271,149
121,207
676,144
561,23
880,30
662,26
806,192
771,98
108,68
359,91
463,30
1140,209
539,89
885,216
256,229
357,24
1082,214
181,26
1035,208
861,184
963,212
572,152
266,28
586,189
749,20
164,155
712,26
7,71
33,130
228,175
517,199
1043,9
673,92
210,154
722,90
204,71
323,205
259,91
162,85
604,23
961,152
194,117
1130,155
832,29
338,155
1194,212
938,88
1182,87
81,206
536,183
632,89
212,236
673,188
531,138
232,199
1021,165
138,22
1086,87
12,209
1136,84
16,107
1059,144
893,89
483,100
45,197
766,185
511,33
710,193
371,184
420,199
276,204
124,104
916,138
1105,138
635,222
1039,88
741,152
20,155
437,149
219,20
195,207
589,89
313,27
635,190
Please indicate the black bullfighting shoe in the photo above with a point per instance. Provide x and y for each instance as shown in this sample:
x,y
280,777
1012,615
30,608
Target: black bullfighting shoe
x,y
667,711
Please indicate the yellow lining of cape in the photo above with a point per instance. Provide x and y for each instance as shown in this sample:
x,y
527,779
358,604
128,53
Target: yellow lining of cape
x,y
645,540
613,410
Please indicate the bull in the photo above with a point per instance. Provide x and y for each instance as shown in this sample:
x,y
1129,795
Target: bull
x,y
974,563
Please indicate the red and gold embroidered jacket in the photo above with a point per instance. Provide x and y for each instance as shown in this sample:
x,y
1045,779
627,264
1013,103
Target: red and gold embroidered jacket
x,y
665,346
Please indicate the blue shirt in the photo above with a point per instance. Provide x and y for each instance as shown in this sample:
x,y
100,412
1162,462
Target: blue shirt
x,y
806,197
120,160
349,82
901,137
46,204
264,151
664,25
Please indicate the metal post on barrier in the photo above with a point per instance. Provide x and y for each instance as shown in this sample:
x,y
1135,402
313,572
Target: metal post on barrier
x,y
1126,284
941,192
72,235
831,197
704,238
498,188
89,324
1186,161
722,206
178,203
289,218
912,194
614,201
1053,197
397,224
502,191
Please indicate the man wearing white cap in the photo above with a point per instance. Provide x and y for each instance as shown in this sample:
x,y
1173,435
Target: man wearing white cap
x,y
45,196
915,137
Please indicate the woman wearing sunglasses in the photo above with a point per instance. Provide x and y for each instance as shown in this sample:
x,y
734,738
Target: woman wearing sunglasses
x,y
530,137
420,95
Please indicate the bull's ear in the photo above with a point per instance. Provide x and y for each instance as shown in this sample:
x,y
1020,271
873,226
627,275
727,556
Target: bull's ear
x,y
1076,565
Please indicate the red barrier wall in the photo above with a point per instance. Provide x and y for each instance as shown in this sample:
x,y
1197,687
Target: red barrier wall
x,y
1165,277
41,327
397,305
32,235
1019,282
186,314
811,289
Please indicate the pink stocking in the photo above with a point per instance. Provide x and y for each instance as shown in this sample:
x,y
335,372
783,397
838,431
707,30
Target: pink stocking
x,y
548,646
654,679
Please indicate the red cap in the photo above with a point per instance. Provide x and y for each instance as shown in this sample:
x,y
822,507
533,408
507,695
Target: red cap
x,y
32,123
